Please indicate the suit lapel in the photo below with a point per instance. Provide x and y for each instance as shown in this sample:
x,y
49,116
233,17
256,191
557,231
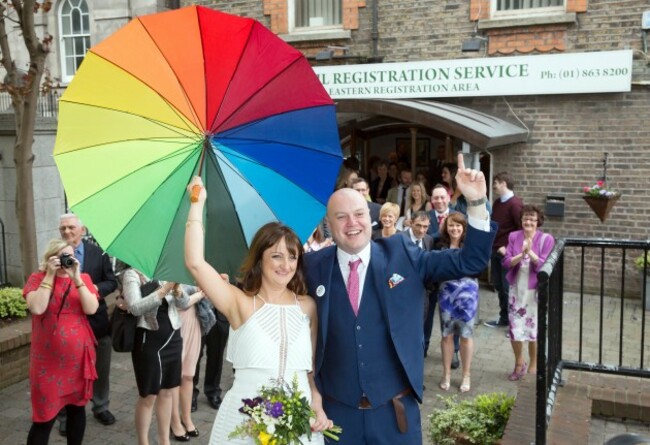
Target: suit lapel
x,y
378,269
327,265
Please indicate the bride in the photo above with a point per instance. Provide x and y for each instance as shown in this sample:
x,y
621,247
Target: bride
x,y
273,323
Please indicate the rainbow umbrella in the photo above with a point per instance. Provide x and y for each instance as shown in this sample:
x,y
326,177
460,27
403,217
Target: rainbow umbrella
x,y
190,90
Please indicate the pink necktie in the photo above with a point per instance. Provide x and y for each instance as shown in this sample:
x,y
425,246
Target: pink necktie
x,y
441,218
353,285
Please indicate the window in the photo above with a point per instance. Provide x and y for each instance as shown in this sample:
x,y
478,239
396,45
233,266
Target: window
x,y
74,23
314,13
516,5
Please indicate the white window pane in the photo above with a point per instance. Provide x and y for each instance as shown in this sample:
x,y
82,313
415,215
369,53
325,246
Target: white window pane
x,y
66,8
510,5
69,66
66,25
68,48
76,21
318,12
79,46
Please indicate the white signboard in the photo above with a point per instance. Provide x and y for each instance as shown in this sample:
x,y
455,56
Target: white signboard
x,y
595,72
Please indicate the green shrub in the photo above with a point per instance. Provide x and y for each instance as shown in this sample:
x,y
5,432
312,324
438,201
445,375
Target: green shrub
x,y
641,261
481,421
12,303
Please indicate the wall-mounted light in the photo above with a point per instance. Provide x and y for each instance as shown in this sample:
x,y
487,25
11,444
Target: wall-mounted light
x,y
328,53
473,44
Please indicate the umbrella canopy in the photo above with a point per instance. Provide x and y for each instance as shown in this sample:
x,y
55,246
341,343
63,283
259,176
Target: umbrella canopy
x,y
149,107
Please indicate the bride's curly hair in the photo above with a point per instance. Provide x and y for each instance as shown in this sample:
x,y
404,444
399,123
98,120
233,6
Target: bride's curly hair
x,y
268,236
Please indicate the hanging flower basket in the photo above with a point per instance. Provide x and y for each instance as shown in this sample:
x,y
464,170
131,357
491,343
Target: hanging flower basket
x,y
602,205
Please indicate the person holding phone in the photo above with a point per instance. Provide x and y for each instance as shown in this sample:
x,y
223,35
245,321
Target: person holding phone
x,y
157,350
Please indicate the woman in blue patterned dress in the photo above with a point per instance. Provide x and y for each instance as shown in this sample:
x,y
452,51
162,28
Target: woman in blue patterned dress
x,y
458,303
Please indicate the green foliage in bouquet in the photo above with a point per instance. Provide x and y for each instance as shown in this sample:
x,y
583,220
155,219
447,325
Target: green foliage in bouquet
x,y
279,415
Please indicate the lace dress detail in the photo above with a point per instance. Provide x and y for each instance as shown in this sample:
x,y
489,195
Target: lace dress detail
x,y
274,343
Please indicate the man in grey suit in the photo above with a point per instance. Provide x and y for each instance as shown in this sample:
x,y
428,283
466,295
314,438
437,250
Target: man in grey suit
x,y
361,186
398,194
417,234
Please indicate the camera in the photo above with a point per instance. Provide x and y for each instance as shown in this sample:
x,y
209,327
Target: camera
x,y
67,260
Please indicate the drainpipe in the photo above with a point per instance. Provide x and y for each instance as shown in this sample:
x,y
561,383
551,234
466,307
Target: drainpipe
x,y
374,34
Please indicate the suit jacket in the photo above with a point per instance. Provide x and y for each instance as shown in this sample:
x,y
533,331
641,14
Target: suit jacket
x,y
427,240
542,246
393,194
397,262
98,266
375,192
374,215
434,227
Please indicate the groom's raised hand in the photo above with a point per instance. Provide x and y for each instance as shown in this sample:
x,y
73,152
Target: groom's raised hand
x,y
471,184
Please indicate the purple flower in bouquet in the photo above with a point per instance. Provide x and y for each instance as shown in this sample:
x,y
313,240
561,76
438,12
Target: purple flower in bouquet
x,y
280,415
250,403
274,409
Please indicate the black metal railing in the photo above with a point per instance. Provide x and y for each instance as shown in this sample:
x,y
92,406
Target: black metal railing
x,y
47,106
4,279
598,270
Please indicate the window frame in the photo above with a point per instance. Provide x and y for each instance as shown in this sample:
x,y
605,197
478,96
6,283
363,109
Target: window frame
x,y
66,77
293,29
529,12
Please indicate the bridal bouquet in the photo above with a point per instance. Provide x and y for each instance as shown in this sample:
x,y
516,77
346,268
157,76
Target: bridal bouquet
x,y
280,415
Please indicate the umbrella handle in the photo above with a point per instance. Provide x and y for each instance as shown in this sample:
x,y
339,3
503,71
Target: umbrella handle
x,y
194,195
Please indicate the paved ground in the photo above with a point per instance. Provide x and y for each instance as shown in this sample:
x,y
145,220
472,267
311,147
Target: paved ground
x,y
492,362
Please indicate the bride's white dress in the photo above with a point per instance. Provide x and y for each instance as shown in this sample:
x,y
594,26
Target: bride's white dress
x,y
275,342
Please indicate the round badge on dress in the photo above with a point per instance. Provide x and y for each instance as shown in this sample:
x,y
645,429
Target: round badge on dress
x,y
320,291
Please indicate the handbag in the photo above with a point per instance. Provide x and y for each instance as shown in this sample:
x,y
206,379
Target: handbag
x,y
206,316
123,325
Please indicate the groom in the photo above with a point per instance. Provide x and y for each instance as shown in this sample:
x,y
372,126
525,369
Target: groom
x,y
369,362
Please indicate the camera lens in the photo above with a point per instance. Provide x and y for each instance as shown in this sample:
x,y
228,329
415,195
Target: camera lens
x,y
67,260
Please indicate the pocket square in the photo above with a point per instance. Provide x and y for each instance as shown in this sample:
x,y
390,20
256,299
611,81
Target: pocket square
x,y
395,280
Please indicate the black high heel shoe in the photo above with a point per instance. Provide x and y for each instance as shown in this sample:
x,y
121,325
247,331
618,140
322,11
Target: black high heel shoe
x,y
194,433
184,438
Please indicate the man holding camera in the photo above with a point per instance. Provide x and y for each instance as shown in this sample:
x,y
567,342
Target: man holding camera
x,y
97,264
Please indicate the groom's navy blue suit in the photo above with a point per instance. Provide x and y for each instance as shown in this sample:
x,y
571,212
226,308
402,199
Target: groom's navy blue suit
x,y
364,361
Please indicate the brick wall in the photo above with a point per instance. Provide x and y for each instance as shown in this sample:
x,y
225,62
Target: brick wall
x,y
569,133
15,342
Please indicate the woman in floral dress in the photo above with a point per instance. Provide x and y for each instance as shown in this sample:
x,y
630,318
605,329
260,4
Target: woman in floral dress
x,y
62,355
526,253
458,303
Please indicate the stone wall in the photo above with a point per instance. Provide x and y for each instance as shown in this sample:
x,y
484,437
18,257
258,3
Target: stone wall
x,y
49,199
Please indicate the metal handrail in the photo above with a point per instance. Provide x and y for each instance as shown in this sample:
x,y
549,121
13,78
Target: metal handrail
x,y
4,280
550,292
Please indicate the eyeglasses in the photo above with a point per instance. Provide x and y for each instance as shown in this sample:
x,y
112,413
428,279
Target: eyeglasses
x,y
529,219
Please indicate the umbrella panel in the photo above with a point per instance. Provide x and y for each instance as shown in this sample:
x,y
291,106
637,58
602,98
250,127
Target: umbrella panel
x,y
146,205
